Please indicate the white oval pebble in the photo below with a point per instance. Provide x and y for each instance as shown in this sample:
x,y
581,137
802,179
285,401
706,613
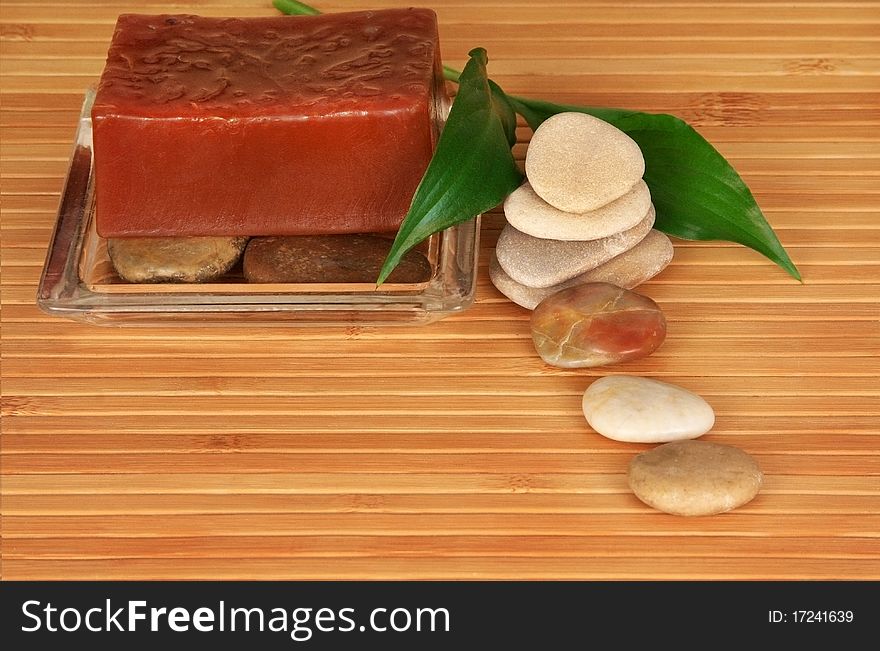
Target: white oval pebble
x,y
576,162
529,213
640,410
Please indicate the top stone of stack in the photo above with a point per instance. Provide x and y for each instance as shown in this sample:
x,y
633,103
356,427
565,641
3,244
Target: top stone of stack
x,y
578,163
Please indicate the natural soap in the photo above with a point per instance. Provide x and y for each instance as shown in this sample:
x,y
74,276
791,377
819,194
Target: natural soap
x,y
264,126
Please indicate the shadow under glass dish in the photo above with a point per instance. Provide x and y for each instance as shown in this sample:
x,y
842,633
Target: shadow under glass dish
x,y
79,281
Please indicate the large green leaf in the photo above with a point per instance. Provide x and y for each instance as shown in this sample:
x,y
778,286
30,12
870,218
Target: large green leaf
x,y
473,168
696,192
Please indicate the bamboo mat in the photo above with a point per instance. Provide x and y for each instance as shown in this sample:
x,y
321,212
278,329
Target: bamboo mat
x,y
451,451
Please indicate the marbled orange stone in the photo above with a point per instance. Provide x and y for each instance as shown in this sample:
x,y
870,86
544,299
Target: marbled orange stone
x,y
596,324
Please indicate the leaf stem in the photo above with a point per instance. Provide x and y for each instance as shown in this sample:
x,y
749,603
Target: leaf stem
x,y
451,74
295,8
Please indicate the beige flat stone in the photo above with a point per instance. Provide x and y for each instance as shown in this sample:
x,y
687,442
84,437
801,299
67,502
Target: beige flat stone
x,y
174,259
529,213
628,270
536,262
694,478
576,162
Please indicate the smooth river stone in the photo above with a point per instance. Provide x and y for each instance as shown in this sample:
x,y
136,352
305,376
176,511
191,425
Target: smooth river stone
x,y
640,410
536,262
694,478
328,259
628,270
529,213
596,324
174,259
576,162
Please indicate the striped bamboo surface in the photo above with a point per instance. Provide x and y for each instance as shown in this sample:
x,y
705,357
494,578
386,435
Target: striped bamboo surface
x,y
451,451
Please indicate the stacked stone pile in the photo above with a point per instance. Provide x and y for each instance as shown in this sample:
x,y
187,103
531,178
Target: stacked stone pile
x,y
584,215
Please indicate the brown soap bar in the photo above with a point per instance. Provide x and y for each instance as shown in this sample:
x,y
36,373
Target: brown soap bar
x,y
264,126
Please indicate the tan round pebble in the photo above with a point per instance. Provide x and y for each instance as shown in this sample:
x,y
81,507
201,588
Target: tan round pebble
x,y
174,259
694,478
536,262
576,162
628,270
529,213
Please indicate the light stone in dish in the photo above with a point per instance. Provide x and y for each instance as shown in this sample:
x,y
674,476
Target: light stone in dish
x,y
174,259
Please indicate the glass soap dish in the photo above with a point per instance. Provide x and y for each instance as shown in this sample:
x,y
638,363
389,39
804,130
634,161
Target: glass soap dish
x,y
79,282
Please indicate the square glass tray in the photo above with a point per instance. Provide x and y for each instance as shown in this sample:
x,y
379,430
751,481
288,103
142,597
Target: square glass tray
x,y
79,282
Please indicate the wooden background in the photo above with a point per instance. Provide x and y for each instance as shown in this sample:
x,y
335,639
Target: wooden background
x,y
451,451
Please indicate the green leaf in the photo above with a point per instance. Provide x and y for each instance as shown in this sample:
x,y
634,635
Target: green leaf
x,y
696,192
473,168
